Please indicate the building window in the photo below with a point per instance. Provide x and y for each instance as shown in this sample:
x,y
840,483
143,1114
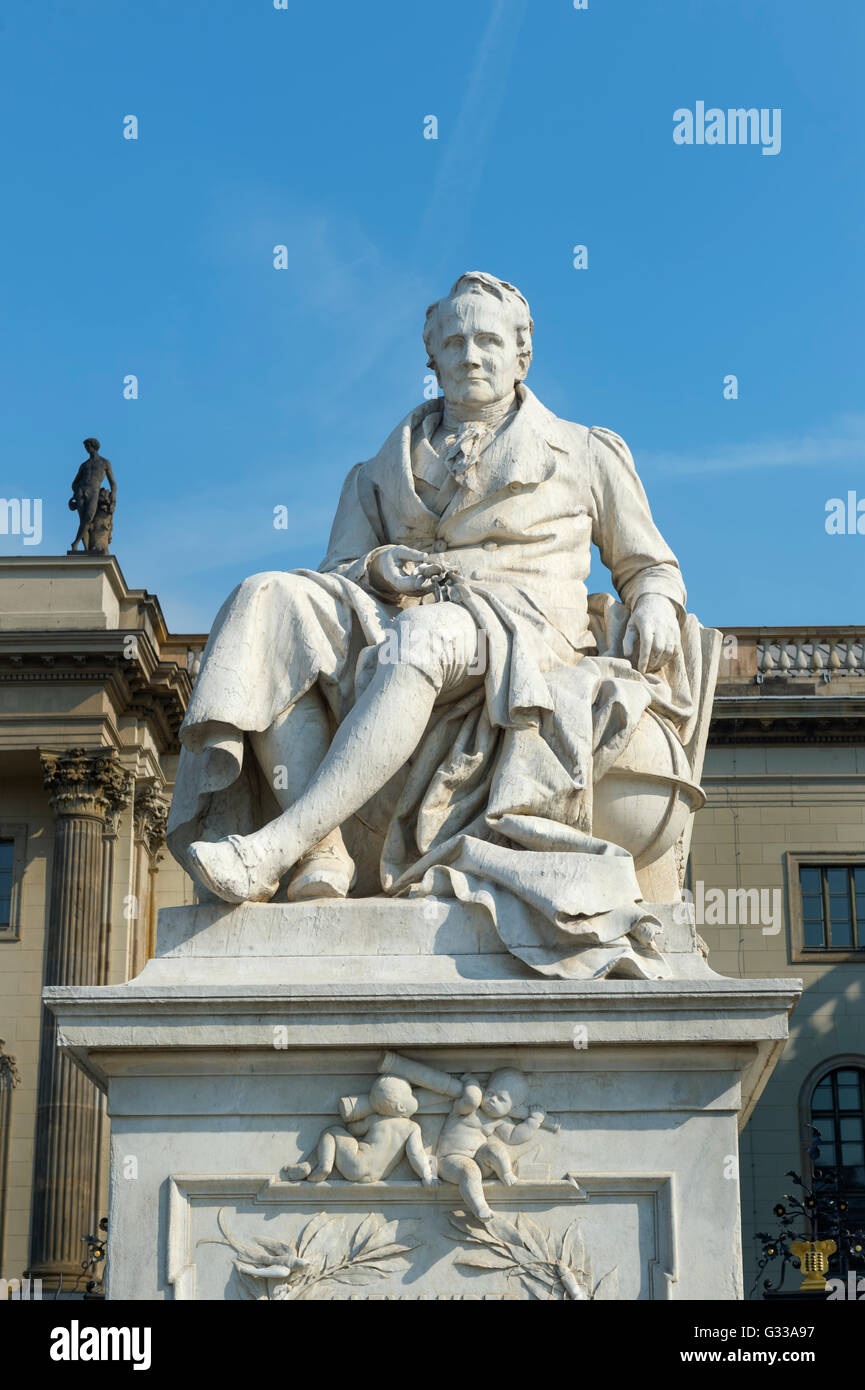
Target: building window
x,y
833,906
7,863
826,901
838,1112
13,840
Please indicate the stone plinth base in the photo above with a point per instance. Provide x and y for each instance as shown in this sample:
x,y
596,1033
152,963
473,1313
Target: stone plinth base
x,y
227,1057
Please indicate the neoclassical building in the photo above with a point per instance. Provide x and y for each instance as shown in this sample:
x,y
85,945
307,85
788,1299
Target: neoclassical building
x,y
785,819
92,693
93,688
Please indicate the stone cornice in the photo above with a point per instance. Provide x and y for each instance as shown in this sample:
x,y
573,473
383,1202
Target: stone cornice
x,y
28,566
730,791
85,782
138,681
746,715
118,1029
822,630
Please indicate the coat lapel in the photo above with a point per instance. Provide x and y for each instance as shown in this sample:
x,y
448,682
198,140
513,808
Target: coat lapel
x,y
525,454
386,484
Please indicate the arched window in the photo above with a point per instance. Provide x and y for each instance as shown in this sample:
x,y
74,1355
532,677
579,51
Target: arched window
x,y
838,1112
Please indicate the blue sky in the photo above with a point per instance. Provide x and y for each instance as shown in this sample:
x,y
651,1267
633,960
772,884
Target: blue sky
x,y
304,127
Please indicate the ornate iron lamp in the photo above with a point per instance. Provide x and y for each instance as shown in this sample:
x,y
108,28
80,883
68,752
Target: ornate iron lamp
x,y
823,1209
96,1249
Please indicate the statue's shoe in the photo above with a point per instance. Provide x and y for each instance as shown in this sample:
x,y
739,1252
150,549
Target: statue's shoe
x,y
322,873
231,870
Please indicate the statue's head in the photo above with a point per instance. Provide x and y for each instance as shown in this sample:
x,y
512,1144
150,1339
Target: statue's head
x,y
504,1090
92,446
479,339
390,1095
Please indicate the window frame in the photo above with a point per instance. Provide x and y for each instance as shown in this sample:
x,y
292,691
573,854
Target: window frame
x,y
837,1115
17,833
823,859
842,1061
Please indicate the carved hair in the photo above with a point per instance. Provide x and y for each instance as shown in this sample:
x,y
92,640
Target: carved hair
x,y
390,1095
94,442
479,282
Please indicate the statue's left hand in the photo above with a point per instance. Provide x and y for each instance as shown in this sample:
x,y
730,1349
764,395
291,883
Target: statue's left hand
x,y
652,634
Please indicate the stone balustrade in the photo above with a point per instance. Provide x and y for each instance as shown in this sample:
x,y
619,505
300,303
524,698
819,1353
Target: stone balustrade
x,y
824,654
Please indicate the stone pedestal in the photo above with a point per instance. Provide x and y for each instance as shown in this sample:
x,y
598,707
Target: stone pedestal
x,y
227,1057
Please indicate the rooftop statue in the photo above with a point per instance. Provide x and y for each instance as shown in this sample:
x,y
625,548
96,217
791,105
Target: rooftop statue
x,y
442,709
93,503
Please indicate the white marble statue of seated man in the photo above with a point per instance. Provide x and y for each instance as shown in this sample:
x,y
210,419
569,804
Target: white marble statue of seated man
x,y
441,681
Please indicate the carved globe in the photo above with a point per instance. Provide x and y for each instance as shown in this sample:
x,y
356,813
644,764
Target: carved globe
x,y
644,800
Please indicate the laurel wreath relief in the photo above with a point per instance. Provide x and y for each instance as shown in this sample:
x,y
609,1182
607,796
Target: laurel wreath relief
x,y
325,1252
328,1252
548,1268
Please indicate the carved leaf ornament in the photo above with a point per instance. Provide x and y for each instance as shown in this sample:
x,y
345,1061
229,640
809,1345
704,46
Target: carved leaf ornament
x,y
548,1268
326,1251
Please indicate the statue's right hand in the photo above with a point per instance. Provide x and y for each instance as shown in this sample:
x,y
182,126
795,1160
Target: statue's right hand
x,y
400,570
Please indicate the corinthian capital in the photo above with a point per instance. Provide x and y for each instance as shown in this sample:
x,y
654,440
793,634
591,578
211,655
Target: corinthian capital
x,y
8,1069
150,814
85,781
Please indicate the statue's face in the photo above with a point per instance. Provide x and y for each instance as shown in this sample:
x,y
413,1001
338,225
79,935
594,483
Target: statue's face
x,y
496,1103
475,350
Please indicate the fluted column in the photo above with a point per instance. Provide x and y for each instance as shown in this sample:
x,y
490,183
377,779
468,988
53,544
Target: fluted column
x,y
83,786
119,798
9,1079
149,817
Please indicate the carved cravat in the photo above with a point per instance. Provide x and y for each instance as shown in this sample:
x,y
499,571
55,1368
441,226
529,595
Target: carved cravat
x,y
439,471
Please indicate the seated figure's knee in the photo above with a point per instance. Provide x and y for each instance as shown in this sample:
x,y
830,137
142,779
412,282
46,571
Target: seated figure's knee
x,y
291,588
253,582
439,640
